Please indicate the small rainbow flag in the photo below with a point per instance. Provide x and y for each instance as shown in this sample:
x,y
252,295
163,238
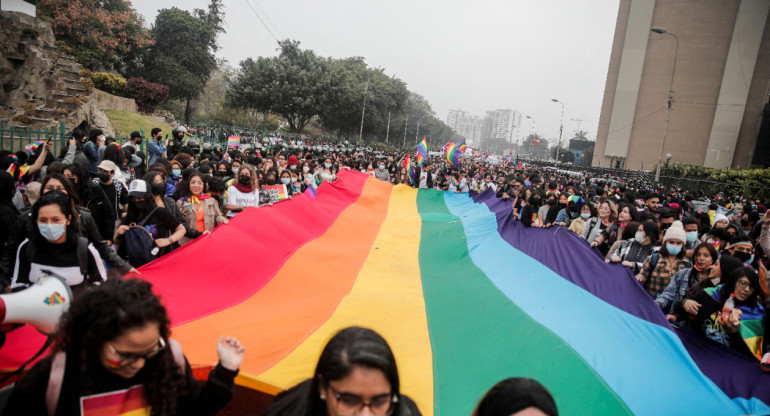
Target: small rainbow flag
x,y
453,155
409,168
234,141
461,146
32,147
422,151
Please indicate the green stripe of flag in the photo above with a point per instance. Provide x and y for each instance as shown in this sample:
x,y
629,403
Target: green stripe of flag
x,y
480,337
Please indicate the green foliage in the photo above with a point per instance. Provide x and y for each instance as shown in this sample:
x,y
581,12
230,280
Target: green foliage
x,y
292,85
529,150
99,34
182,57
106,81
751,183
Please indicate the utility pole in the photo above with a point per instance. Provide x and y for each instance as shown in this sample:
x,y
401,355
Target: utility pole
x,y
363,111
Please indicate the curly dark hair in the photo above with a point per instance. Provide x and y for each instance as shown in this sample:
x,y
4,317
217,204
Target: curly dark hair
x,y
104,313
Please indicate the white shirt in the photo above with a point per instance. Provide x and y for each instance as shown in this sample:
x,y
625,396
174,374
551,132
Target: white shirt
x,y
236,197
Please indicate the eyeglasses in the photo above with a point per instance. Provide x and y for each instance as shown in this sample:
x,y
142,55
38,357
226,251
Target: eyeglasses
x,y
743,284
350,404
126,358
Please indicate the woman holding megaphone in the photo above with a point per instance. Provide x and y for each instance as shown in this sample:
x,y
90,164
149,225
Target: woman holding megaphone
x,y
113,352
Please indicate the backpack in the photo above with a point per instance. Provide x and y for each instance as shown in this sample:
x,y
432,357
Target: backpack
x,y
140,247
58,364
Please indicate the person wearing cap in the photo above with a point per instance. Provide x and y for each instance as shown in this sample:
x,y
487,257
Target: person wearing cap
x,y
661,266
116,192
163,226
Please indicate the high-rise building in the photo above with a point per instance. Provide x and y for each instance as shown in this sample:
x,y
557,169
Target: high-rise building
x,y
720,84
496,124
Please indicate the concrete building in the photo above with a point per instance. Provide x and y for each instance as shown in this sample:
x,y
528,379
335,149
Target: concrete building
x,y
720,86
496,124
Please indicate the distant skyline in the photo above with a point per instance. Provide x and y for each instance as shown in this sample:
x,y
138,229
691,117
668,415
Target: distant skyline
x,y
469,55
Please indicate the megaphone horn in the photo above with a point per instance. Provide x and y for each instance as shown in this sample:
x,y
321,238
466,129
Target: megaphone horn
x,y
40,305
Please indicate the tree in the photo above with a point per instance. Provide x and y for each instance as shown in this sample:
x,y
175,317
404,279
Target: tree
x,y
101,35
293,84
183,54
529,149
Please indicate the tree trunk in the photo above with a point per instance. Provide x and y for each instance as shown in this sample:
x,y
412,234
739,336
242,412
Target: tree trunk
x,y
187,111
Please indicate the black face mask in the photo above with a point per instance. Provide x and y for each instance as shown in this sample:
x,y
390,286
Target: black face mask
x,y
104,177
139,142
271,181
244,180
222,173
744,257
158,188
562,206
137,204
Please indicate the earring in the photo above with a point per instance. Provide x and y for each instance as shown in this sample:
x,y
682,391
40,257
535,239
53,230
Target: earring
x,y
323,397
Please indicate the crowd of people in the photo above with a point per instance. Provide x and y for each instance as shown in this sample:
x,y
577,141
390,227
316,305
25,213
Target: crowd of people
x,y
121,207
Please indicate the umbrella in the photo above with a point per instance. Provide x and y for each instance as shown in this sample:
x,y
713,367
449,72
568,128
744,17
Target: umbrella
x,y
464,295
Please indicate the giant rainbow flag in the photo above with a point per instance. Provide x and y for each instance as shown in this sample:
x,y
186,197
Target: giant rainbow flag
x,y
464,295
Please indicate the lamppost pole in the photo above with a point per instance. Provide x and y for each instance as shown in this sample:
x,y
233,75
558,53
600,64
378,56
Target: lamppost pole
x,y
670,102
561,128
534,135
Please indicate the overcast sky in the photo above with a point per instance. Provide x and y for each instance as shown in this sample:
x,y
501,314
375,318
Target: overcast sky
x,y
474,55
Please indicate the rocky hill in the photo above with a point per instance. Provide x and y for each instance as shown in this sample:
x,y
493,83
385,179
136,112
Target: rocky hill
x,y
40,84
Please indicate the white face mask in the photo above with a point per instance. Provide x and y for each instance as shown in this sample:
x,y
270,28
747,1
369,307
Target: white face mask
x,y
382,167
585,215
640,237
327,165
306,168
51,232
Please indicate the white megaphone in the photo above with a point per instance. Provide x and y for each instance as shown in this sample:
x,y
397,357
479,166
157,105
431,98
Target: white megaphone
x,y
40,305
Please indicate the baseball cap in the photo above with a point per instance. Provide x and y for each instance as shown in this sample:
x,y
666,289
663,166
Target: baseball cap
x,y
108,165
138,188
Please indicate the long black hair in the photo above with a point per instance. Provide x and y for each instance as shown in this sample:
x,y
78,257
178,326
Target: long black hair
x,y
351,347
728,285
513,395
59,199
106,312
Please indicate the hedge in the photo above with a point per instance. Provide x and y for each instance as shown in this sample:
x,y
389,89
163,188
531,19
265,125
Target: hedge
x,y
146,94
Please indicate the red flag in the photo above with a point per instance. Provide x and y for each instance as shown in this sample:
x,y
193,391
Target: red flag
x,y
537,140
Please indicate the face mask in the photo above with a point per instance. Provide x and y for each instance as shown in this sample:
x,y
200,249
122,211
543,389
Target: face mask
x,y
293,179
270,181
382,167
585,215
234,170
327,165
744,257
673,250
104,177
306,168
285,181
562,206
640,237
692,236
51,232
244,180
158,188
176,172
292,167
222,173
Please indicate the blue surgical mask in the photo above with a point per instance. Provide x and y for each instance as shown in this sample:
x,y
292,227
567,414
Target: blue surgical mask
x,y
692,236
585,215
176,172
751,259
285,181
673,250
51,232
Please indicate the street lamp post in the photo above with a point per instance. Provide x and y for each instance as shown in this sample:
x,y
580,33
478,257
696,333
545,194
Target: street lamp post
x,y
532,151
561,128
670,102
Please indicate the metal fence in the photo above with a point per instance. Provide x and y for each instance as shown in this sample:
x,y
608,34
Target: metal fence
x,y
16,138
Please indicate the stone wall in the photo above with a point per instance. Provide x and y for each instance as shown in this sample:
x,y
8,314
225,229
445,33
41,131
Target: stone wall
x,y
107,101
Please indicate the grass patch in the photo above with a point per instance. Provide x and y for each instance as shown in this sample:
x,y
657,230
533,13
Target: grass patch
x,y
124,122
